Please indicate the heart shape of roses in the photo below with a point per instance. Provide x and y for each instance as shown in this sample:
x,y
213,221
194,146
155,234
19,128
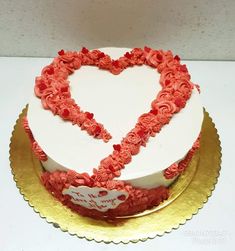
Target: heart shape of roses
x,y
53,89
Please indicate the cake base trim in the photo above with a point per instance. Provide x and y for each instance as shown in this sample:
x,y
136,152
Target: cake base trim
x,y
79,191
27,169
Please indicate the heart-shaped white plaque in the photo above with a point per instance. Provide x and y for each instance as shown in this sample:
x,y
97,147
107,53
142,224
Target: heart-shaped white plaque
x,y
96,198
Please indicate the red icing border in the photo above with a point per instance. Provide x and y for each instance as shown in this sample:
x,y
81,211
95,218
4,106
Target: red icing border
x,y
34,145
177,168
53,89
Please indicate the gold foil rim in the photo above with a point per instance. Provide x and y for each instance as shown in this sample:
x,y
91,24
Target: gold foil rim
x,y
26,171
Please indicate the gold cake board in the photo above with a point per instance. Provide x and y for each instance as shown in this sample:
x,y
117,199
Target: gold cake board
x,y
188,193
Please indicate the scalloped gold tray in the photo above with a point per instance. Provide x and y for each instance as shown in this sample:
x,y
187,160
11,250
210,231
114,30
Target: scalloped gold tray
x,y
188,193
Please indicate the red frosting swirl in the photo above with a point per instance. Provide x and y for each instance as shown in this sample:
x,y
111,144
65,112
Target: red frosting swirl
x,y
183,86
34,145
133,138
154,58
147,120
177,168
165,108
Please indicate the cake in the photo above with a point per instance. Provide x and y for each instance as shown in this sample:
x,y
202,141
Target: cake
x,y
114,135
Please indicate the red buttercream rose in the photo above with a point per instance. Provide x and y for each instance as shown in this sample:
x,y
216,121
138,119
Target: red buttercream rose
x,y
96,55
125,156
168,56
154,58
172,63
61,67
91,126
164,95
61,87
158,126
38,151
27,129
103,174
50,99
171,171
183,86
133,138
166,108
60,71
167,74
86,58
40,86
105,62
138,56
48,70
111,163
138,53
68,56
133,149
76,63
116,68
124,62
147,120
67,109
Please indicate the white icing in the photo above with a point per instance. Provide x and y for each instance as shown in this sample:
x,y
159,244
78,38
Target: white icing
x,y
116,101
93,198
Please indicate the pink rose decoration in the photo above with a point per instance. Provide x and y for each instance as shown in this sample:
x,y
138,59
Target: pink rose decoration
x,y
124,62
162,96
184,87
167,74
40,86
133,138
138,56
76,63
147,120
166,108
68,57
105,63
125,156
154,58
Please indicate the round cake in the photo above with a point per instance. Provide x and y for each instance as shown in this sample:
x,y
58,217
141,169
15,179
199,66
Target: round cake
x,y
113,128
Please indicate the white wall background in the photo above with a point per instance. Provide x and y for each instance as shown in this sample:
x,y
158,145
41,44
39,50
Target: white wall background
x,y
203,29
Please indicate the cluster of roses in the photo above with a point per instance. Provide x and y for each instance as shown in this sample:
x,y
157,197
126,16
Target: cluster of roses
x,y
177,168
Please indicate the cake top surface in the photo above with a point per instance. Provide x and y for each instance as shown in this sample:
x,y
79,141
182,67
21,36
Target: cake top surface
x,y
117,101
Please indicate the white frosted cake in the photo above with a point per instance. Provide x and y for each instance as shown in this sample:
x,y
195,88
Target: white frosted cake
x,y
118,165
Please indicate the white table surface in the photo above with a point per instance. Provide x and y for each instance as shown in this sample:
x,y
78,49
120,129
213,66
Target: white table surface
x,y
211,229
